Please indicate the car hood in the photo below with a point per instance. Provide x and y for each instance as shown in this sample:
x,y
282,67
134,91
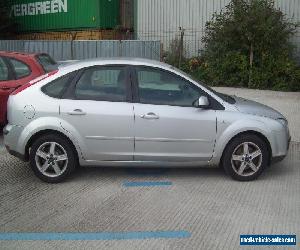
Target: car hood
x,y
255,108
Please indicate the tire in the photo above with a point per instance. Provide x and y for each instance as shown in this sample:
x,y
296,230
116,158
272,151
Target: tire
x,y
246,157
52,158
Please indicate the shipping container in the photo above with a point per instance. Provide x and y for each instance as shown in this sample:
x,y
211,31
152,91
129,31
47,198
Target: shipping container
x,y
58,15
127,14
89,34
162,20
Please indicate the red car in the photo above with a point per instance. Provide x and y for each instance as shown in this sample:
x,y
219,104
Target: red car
x,y
17,69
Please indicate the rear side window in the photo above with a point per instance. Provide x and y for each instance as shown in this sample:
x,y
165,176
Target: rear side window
x,y
57,87
3,70
20,68
47,63
107,83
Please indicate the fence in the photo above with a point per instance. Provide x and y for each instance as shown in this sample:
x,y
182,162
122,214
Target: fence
x,y
76,50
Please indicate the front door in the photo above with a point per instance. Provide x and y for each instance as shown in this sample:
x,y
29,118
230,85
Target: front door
x,y
168,126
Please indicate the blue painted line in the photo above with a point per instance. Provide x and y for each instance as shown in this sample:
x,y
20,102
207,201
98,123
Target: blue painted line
x,y
93,236
147,172
146,183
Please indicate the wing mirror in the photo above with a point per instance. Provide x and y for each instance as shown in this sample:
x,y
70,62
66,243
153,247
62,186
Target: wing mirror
x,y
202,102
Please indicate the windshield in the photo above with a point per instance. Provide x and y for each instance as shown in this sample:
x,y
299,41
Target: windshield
x,y
224,97
47,63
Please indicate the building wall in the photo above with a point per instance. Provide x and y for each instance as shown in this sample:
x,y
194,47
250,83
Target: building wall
x,y
161,19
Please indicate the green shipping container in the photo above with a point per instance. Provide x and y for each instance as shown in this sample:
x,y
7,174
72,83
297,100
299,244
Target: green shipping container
x,y
59,15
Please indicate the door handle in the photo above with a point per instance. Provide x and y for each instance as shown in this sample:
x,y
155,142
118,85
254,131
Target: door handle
x,y
150,116
77,112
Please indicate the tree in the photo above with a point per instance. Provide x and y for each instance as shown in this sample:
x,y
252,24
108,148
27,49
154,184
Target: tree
x,y
248,44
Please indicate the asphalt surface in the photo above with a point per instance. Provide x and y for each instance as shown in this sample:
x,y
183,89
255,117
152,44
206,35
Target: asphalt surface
x,y
211,207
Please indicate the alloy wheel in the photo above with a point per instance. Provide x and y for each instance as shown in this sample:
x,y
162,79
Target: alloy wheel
x,y
246,159
51,159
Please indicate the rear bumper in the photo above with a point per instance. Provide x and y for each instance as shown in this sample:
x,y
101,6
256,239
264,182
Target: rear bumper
x,y
16,154
11,135
3,108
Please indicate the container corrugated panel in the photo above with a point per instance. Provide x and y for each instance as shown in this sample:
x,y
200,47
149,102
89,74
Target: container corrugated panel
x,y
127,13
7,45
67,50
58,49
161,19
292,10
57,15
150,49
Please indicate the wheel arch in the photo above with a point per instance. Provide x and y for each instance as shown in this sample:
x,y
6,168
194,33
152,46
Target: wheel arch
x,y
250,132
48,132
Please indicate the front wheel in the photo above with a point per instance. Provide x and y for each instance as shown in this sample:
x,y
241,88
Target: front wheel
x,y
246,157
52,158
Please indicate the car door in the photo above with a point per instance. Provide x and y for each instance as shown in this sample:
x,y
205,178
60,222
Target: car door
x,y
98,107
168,126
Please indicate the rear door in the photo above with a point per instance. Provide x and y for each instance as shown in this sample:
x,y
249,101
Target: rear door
x,y
98,107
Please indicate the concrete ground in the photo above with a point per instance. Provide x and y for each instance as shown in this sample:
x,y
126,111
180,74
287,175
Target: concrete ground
x,y
214,209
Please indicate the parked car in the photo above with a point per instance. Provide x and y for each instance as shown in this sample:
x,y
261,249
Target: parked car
x,y
134,112
17,69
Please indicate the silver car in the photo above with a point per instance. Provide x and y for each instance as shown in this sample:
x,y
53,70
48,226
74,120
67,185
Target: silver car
x,y
138,113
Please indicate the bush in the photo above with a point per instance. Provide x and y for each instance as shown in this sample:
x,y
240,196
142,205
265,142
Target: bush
x,y
248,45
173,55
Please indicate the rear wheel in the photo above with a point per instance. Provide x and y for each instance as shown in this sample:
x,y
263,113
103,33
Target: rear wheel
x,y
52,158
246,157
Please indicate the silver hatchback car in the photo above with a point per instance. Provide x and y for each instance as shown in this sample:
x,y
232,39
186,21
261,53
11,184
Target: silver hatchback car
x,y
135,112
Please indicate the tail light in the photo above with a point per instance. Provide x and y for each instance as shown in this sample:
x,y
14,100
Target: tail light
x,y
36,80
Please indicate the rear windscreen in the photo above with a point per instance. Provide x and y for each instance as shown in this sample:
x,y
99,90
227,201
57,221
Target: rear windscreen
x,y
47,63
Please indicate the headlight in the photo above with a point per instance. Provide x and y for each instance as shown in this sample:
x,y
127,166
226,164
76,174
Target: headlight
x,y
283,121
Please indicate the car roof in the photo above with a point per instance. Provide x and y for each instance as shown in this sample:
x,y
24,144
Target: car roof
x,y
116,60
18,54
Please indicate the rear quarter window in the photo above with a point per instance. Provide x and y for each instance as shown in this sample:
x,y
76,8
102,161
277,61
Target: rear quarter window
x,y
4,75
57,88
47,63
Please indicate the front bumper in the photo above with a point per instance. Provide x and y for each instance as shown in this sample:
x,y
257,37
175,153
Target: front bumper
x,y
279,158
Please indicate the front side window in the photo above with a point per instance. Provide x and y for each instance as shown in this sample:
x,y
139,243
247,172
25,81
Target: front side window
x,y
4,76
21,69
107,83
164,88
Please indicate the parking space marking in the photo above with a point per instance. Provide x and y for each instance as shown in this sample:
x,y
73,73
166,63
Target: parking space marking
x,y
146,183
147,172
93,236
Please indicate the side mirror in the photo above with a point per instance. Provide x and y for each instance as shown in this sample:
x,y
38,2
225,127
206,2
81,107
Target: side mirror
x,y
202,102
